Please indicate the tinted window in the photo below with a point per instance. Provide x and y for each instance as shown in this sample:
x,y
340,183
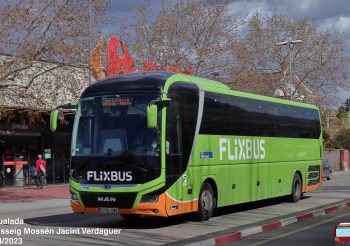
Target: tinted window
x,y
231,115
181,122
217,110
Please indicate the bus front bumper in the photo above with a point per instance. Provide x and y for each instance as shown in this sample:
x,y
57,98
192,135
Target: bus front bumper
x,y
149,208
164,207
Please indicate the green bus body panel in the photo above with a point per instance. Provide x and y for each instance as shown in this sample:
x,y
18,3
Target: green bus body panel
x,y
240,180
141,189
237,180
53,120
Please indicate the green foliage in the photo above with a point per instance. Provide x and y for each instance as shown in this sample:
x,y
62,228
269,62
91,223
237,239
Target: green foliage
x,y
342,138
328,141
343,116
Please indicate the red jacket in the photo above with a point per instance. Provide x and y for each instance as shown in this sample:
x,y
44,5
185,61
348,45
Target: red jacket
x,y
37,165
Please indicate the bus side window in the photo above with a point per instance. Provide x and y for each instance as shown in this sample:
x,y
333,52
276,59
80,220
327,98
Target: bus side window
x,y
175,136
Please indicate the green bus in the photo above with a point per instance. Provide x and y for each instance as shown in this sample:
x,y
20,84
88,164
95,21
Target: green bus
x,y
164,144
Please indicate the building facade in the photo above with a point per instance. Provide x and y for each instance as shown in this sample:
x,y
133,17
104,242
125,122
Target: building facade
x,y
24,121
21,142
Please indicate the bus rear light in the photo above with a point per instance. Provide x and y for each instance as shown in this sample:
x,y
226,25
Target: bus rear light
x,y
151,198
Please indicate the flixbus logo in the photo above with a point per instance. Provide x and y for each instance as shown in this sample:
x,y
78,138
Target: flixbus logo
x,y
109,176
242,149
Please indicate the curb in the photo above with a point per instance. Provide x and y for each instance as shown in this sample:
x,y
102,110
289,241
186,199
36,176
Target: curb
x,y
224,239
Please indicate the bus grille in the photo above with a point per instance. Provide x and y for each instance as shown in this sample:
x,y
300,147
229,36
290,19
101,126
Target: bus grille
x,y
313,175
108,200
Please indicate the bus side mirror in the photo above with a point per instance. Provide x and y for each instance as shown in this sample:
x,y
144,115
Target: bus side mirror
x,y
53,120
152,112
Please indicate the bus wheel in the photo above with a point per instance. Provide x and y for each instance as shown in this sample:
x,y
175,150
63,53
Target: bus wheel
x,y
296,189
206,202
131,217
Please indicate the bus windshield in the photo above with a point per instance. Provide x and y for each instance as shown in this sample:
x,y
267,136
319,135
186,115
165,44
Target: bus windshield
x,y
114,126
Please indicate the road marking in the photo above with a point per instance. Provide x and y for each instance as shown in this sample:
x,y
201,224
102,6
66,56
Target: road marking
x,y
298,230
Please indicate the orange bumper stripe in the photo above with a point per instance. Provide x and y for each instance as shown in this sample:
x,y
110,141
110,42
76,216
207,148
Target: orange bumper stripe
x,y
164,207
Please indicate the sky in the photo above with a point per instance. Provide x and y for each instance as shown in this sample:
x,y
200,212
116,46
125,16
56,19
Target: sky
x,y
328,14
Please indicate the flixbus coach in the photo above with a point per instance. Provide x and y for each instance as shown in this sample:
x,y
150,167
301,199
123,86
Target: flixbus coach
x,y
165,144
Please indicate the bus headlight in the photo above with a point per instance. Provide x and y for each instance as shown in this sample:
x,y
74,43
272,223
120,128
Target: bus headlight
x,y
152,198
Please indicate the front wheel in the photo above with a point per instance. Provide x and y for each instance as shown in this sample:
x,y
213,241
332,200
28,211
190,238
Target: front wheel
x,y
206,203
296,189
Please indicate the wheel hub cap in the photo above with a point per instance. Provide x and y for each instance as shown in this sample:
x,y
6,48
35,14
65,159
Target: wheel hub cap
x,y
207,201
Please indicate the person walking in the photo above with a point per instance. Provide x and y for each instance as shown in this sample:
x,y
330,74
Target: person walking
x,y
40,167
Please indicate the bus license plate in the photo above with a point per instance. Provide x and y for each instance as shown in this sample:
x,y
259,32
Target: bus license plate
x,y
108,210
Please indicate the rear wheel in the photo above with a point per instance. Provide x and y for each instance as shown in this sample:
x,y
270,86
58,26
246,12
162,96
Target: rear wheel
x,y
296,189
206,203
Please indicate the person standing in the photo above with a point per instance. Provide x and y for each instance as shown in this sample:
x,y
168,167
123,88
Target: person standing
x,y
327,169
40,167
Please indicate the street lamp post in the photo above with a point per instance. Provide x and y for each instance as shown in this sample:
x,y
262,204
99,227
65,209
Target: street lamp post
x,y
290,42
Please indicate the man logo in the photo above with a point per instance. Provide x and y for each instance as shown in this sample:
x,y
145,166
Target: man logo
x,y
106,199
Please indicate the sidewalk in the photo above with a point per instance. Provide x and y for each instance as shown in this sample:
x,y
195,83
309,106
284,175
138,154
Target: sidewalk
x,y
332,196
338,178
32,193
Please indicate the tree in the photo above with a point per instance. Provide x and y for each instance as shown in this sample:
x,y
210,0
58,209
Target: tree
x,y
343,114
347,105
328,141
182,33
342,138
319,67
54,31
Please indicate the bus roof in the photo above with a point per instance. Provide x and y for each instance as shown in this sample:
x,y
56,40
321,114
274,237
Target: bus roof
x,y
217,87
155,82
132,82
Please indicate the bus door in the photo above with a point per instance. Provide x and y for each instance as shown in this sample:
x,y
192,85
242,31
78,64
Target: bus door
x,y
262,168
181,120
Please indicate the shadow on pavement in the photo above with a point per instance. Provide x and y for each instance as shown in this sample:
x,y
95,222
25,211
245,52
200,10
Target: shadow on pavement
x,y
252,205
104,221
144,222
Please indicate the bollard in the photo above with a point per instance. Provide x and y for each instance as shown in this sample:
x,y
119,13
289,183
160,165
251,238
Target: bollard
x,y
344,160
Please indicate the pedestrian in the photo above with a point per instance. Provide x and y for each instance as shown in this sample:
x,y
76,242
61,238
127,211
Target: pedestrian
x,y
327,169
40,167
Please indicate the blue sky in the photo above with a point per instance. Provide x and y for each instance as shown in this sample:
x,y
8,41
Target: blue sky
x,y
328,14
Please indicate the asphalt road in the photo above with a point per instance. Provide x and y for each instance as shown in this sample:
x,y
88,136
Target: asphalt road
x,y
317,231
